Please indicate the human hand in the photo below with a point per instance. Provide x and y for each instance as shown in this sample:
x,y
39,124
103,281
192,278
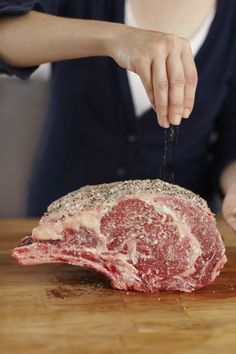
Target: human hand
x,y
229,206
166,67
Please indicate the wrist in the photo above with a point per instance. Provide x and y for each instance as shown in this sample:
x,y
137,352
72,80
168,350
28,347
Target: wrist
x,y
100,37
112,37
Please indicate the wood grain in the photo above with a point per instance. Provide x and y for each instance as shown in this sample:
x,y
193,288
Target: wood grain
x,y
65,309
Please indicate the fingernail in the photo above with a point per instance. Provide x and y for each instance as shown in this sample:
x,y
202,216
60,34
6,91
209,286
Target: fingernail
x,y
177,119
186,113
165,124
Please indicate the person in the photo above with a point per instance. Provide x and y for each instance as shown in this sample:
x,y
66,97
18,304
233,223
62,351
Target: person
x,y
101,127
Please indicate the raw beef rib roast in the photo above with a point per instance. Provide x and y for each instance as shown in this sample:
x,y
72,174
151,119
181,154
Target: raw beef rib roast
x,y
144,235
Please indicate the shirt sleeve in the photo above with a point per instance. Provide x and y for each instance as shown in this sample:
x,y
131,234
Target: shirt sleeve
x,y
21,7
225,145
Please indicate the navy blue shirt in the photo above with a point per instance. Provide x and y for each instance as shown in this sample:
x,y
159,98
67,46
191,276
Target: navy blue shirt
x,y
91,133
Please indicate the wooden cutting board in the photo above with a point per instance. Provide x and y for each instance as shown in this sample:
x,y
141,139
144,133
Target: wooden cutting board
x,y
65,309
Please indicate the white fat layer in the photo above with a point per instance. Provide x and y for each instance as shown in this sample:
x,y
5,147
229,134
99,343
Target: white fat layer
x,y
162,209
132,250
89,219
50,231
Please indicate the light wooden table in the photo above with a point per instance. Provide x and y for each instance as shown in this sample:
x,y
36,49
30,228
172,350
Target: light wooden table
x,y
64,309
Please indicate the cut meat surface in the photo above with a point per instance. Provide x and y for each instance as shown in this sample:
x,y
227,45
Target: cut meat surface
x,y
145,235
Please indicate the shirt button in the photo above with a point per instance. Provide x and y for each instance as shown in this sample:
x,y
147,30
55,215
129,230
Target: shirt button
x,y
131,138
120,172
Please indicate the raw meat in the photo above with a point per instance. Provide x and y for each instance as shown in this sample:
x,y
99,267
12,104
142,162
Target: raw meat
x,y
145,235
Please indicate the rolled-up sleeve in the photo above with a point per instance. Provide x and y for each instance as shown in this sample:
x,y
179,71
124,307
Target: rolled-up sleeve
x,y
225,145
21,7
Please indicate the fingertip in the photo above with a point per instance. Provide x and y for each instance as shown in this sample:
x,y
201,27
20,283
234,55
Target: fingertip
x,y
176,120
232,222
186,113
163,121
165,125
234,226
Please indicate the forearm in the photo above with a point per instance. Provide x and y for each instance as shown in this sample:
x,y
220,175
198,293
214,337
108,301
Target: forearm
x,y
228,178
164,62
36,38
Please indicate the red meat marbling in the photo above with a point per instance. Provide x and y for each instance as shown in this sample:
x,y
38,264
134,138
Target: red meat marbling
x,y
145,235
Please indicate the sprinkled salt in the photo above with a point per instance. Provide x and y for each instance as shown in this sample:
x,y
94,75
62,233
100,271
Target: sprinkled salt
x,y
109,194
